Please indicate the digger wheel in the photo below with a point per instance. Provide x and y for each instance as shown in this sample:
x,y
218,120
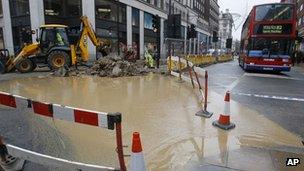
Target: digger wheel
x,y
25,66
58,59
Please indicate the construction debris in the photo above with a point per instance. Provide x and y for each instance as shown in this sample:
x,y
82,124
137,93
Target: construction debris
x,y
110,66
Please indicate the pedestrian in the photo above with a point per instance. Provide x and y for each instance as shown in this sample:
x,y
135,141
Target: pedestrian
x,y
149,58
59,39
3,150
293,57
156,56
25,36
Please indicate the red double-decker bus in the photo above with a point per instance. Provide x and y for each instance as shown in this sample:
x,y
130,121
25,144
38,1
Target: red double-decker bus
x,y
268,37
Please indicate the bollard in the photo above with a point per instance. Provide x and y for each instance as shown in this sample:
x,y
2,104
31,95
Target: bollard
x,y
204,112
170,64
206,90
120,147
180,69
190,73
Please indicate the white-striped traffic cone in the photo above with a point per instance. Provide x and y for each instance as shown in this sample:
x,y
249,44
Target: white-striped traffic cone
x,y
137,156
224,121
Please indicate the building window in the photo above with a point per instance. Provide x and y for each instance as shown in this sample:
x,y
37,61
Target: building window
x,y
21,23
135,17
156,3
148,21
65,12
1,10
111,23
1,39
107,10
19,8
62,8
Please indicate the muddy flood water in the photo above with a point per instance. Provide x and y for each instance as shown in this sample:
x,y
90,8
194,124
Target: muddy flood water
x,y
157,106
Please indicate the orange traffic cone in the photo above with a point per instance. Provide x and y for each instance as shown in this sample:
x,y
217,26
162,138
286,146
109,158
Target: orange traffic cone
x,y
137,156
224,120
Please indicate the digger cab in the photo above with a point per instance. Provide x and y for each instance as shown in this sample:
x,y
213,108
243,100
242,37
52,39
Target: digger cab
x,y
53,35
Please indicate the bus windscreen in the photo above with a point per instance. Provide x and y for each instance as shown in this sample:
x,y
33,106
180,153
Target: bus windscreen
x,y
274,12
271,47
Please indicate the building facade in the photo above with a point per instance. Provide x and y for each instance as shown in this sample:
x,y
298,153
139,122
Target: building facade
x,y
213,18
225,28
122,22
300,19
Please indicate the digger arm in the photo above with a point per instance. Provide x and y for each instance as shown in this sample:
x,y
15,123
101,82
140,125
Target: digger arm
x,y
87,31
26,51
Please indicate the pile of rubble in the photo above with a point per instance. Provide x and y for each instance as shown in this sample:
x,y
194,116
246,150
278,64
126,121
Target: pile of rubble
x,y
110,66
116,67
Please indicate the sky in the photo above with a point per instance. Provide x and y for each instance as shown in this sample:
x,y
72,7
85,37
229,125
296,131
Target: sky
x,y
241,7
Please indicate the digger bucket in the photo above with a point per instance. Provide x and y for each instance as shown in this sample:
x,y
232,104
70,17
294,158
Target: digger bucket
x,y
4,57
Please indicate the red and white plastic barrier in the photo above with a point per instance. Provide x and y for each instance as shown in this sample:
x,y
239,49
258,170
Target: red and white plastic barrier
x,y
56,111
109,121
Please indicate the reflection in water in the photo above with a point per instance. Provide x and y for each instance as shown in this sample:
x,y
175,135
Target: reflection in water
x,y
223,146
161,109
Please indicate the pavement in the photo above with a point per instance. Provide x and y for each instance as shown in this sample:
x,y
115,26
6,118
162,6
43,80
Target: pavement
x,y
267,109
247,159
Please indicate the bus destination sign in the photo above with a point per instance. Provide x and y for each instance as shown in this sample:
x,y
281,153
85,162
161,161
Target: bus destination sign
x,y
273,29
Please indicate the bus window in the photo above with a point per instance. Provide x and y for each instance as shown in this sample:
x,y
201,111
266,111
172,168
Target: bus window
x,y
274,12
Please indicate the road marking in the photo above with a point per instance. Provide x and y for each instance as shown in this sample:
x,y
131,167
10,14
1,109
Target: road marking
x,y
269,76
270,97
234,84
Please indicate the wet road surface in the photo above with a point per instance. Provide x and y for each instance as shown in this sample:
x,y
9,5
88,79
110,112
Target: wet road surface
x,y
279,97
161,109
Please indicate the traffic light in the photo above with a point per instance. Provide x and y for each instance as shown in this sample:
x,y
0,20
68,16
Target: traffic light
x,y
214,37
188,32
229,43
155,23
191,32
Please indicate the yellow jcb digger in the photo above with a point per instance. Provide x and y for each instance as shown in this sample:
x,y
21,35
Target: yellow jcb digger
x,y
53,49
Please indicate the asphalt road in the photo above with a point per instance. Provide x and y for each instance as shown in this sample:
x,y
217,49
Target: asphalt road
x,y
280,97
